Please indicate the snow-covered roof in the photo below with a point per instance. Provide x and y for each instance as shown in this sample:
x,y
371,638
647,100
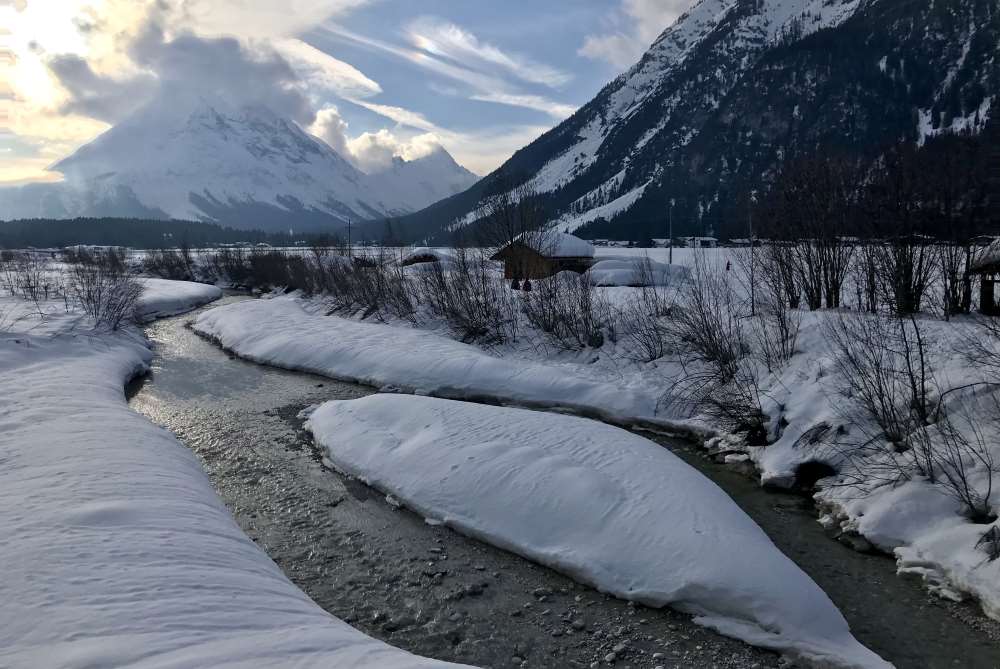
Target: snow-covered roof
x,y
559,245
989,256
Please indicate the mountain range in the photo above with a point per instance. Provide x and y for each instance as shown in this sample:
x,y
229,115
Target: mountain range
x,y
733,88
706,117
244,167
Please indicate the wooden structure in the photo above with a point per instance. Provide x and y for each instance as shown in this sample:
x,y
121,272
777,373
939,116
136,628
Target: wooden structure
x,y
987,270
558,252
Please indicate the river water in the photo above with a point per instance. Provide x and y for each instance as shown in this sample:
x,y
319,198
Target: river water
x,y
437,593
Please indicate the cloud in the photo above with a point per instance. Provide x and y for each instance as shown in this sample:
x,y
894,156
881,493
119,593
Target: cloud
x,y
252,18
222,68
374,151
479,151
484,85
448,40
320,71
332,129
370,152
96,96
399,115
633,28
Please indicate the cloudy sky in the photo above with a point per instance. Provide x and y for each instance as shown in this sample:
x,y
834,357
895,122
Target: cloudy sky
x,y
373,78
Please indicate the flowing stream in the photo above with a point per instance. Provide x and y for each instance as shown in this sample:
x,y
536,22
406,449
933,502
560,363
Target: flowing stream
x,y
432,591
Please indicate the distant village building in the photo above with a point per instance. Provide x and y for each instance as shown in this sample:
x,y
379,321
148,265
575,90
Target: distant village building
x,y
551,253
700,242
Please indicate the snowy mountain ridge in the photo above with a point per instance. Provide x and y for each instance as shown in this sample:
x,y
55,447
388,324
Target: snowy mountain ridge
x,y
244,166
721,96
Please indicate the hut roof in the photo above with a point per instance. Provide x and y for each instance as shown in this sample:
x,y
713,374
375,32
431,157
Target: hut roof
x,y
557,245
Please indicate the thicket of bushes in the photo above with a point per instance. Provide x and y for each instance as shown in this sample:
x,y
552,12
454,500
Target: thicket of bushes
x,y
99,282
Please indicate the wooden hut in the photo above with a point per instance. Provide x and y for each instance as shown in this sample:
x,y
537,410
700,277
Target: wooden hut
x,y
542,255
987,269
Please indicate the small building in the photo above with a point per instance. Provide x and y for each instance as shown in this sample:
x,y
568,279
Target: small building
x,y
987,269
542,255
701,242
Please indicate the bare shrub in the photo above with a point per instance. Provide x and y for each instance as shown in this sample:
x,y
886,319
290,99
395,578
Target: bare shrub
x,y
642,318
472,299
27,276
884,364
167,264
376,286
708,326
106,293
566,309
776,332
230,264
776,320
961,461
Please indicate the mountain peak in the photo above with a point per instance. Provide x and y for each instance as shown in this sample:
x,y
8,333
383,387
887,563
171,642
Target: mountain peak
x,y
243,165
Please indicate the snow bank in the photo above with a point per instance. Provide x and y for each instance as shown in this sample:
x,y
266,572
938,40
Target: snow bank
x,y
601,504
163,297
281,333
422,254
633,271
116,550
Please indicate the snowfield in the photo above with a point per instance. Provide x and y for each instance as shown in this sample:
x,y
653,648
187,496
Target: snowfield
x,y
603,505
116,550
282,332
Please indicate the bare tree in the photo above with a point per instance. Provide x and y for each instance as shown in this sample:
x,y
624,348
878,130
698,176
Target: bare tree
x,y
810,212
512,213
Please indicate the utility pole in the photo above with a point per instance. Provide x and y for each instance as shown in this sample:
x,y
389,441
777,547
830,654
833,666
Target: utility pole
x,y
670,234
350,249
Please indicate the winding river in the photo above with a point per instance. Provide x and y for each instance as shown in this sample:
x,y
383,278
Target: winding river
x,y
434,592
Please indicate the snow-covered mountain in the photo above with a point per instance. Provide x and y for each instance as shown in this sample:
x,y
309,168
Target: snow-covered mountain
x,y
733,86
246,167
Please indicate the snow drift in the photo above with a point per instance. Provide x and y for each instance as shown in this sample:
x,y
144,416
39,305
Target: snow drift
x,y
163,297
116,550
281,332
601,504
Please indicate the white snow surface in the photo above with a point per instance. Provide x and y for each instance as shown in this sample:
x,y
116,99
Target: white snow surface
x,y
603,505
636,271
163,297
116,549
284,333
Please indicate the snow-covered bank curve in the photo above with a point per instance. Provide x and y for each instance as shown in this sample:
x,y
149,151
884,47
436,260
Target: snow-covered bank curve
x,y
280,332
116,550
164,297
596,502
